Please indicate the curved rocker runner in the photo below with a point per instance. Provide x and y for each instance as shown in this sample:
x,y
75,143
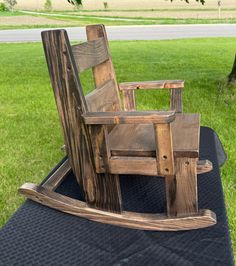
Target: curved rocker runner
x,y
104,140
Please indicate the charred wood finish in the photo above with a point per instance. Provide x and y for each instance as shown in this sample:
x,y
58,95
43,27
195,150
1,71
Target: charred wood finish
x,y
159,84
114,118
105,71
164,149
181,188
104,98
176,100
129,100
90,54
99,192
58,176
143,221
176,86
102,141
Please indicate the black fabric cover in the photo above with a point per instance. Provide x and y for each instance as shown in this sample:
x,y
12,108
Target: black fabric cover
x,y
37,235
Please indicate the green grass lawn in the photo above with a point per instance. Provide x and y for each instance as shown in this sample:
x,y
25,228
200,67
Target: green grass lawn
x,y
30,131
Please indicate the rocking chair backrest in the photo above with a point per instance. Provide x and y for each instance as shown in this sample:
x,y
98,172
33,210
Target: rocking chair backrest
x,y
71,105
95,54
70,102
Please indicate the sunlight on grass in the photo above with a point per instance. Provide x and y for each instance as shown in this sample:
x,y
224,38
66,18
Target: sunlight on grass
x,y
30,131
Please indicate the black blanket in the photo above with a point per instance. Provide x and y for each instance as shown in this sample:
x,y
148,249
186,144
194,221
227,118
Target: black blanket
x,y
37,235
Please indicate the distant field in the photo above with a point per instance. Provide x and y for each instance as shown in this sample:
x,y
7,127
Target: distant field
x,y
28,20
124,4
175,14
55,19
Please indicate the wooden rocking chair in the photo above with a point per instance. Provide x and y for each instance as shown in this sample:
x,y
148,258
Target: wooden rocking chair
x,y
102,141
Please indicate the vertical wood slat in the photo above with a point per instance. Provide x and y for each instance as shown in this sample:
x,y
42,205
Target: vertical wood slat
x,y
90,54
129,100
164,149
71,104
104,71
176,100
181,189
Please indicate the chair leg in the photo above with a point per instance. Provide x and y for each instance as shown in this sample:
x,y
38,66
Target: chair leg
x,y
106,193
181,189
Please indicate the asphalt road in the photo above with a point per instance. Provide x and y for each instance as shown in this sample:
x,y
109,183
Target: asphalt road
x,y
157,32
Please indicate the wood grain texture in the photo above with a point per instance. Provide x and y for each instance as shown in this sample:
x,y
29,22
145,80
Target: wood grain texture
x,y
100,148
133,165
143,221
186,135
164,149
68,96
176,100
181,188
113,118
58,176
204,166
139,139
90,54
103,99
145,166
104,71
99,192
129,100
103,142
158,84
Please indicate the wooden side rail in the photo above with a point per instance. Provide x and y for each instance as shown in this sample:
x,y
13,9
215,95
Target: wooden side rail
x,y
176,87
158,84
113,118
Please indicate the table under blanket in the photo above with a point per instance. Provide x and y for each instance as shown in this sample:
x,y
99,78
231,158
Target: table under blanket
x,y
38,235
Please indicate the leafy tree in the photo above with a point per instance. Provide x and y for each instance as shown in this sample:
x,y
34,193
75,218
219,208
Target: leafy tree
x,y
10,3
3,7
187,1
75,2
79,2
48,5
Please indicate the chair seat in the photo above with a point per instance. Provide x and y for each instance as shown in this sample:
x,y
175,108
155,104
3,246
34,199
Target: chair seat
x,y
138,140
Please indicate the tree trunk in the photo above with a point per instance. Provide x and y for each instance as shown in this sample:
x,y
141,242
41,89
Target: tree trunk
x,y
232,75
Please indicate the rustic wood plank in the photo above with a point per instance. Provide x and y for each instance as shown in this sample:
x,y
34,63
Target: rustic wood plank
x,y
164,149
58,176
103,99
113,118
144,166
176,100
158,84
185,135
71,105
100,148
104,71
181,188
60,64
143,221
129,100
133,165
90,54
204,166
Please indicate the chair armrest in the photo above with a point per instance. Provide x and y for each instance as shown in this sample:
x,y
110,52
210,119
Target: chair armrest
x,y
112,118
159,84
